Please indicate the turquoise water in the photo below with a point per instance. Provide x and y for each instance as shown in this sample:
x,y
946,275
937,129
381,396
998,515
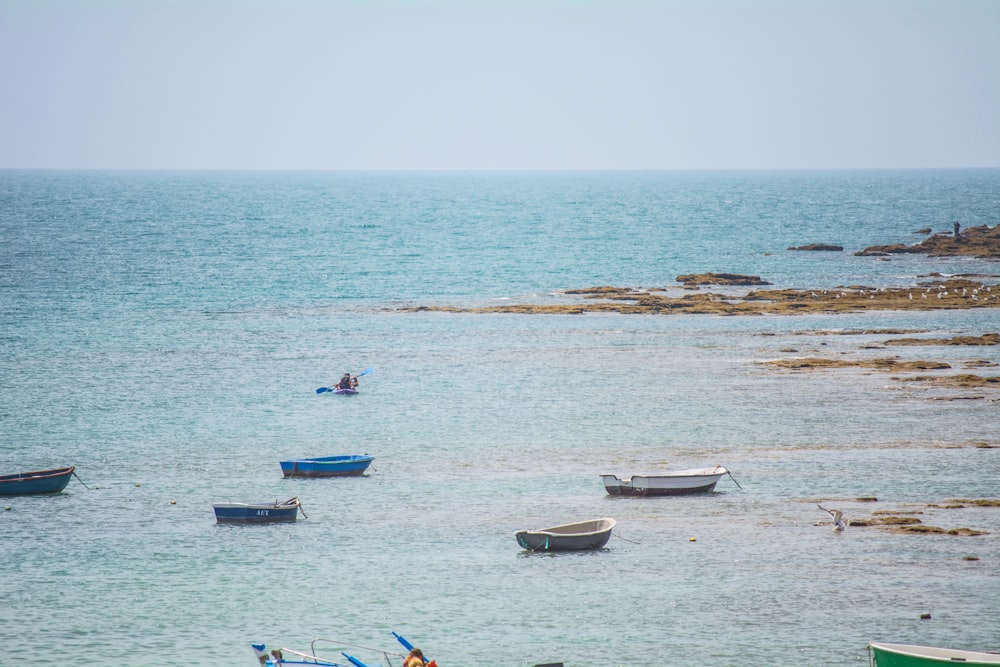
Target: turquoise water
x,y
165,333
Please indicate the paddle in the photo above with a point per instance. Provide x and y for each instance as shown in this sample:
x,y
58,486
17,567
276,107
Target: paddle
x,y
334,388
402,640
354,661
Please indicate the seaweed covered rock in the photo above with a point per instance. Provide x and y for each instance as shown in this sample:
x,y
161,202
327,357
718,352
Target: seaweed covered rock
x,y
694,279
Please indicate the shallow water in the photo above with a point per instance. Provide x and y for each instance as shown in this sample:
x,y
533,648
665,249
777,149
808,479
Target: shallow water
x,y
165,333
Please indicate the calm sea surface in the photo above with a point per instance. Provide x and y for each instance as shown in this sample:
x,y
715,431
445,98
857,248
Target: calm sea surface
x,y
166,332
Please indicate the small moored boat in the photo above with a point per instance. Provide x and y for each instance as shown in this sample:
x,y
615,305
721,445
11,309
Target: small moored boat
x,y
693,480
35,482
286,510
327,466
908,655
579,536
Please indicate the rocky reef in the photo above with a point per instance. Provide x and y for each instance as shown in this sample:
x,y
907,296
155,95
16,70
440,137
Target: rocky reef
x,y
985,339
947,294
698,279
819,247
981,242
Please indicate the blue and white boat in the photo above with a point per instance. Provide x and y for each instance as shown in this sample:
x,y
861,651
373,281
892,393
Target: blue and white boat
x,y
327,466
286,656
286,510
35,482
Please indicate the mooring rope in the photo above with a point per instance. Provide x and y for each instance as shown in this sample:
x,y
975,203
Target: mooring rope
x,y
622,538
82,482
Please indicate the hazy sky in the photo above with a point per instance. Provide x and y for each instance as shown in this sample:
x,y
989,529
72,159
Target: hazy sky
x,y
531,84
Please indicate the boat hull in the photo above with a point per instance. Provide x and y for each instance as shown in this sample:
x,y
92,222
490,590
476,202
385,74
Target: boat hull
x,y
327,466
908,655
257,512
581,536
35,482
345,392
682,482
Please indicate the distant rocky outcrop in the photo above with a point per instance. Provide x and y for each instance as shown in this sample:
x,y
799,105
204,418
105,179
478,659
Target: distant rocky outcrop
x,y
695,279
819,247
983,242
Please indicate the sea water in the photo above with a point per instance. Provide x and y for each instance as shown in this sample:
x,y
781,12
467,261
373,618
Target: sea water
x,y
165,333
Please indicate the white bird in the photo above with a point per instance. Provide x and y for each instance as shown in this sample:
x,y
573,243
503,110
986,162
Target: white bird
x,y
838,518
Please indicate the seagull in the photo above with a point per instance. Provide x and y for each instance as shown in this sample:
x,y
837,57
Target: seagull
x,y
838,518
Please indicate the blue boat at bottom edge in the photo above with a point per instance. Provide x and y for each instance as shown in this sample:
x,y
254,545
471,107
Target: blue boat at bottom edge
x,y
35,482
286,510
327,466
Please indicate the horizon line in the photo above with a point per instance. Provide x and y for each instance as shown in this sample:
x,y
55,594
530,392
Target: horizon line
x,y
489,170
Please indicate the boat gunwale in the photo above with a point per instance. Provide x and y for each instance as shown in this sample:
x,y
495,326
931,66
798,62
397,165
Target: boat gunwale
x,y
34,475
553,530
672,474
936,653
291,503
333,460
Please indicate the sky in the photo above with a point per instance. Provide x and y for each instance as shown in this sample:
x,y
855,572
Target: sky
x,y
499,84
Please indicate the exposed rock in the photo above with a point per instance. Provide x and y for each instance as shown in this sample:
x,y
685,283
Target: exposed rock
x,y
985,339
981,241
951,294
819,247
961,503
892,364
980,363
856,332
962,532
962,381
692,279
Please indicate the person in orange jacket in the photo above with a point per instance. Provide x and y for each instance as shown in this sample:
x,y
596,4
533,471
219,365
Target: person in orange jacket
x,y
415,659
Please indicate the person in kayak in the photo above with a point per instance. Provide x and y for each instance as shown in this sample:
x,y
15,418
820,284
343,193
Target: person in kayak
x,y
415,659
348,382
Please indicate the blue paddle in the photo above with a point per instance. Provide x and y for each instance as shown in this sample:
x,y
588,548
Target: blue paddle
x,y
354,661
402,640
361,374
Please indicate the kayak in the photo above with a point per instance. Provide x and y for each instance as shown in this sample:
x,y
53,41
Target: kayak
x,y
345,392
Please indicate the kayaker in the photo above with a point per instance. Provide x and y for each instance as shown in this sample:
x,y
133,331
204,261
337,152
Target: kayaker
x,y
347,382
415,659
